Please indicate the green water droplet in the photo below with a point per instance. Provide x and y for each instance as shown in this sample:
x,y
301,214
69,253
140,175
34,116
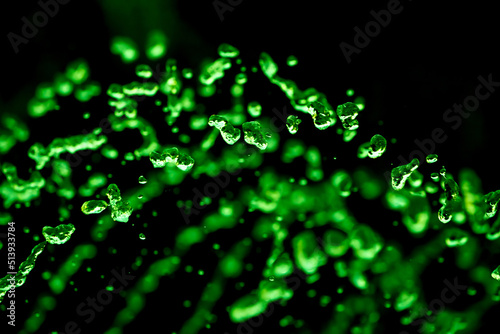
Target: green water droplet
x,y
456,237
187,73
496,273
431,158
267,65
471,291
241,78
400,174
322,117
142,180
292,124
254,108
94,207
377,146
228,51
292,61
143,71
120,210
58,235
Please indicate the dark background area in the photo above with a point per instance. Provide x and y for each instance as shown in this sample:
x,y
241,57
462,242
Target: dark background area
x,y
427,59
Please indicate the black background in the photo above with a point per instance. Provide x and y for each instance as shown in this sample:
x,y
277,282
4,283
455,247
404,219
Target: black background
x,y
428,58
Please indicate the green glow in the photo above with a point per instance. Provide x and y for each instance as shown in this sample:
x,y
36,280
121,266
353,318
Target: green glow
x,y
246,307
254,109
63,85
24,269
241,78
42,155
365,242
212,71
187,73
125,48
228,51
78,71
143,71
292,61
156,44
38,108
17,190
306,252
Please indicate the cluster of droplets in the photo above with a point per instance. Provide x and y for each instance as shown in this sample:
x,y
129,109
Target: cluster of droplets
x,y
273,197
229,133
75,80
171,155
253,134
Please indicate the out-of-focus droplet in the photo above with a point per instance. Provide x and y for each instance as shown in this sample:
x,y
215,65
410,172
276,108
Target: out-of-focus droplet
x,y
254,108
228,51
143,71
292,61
